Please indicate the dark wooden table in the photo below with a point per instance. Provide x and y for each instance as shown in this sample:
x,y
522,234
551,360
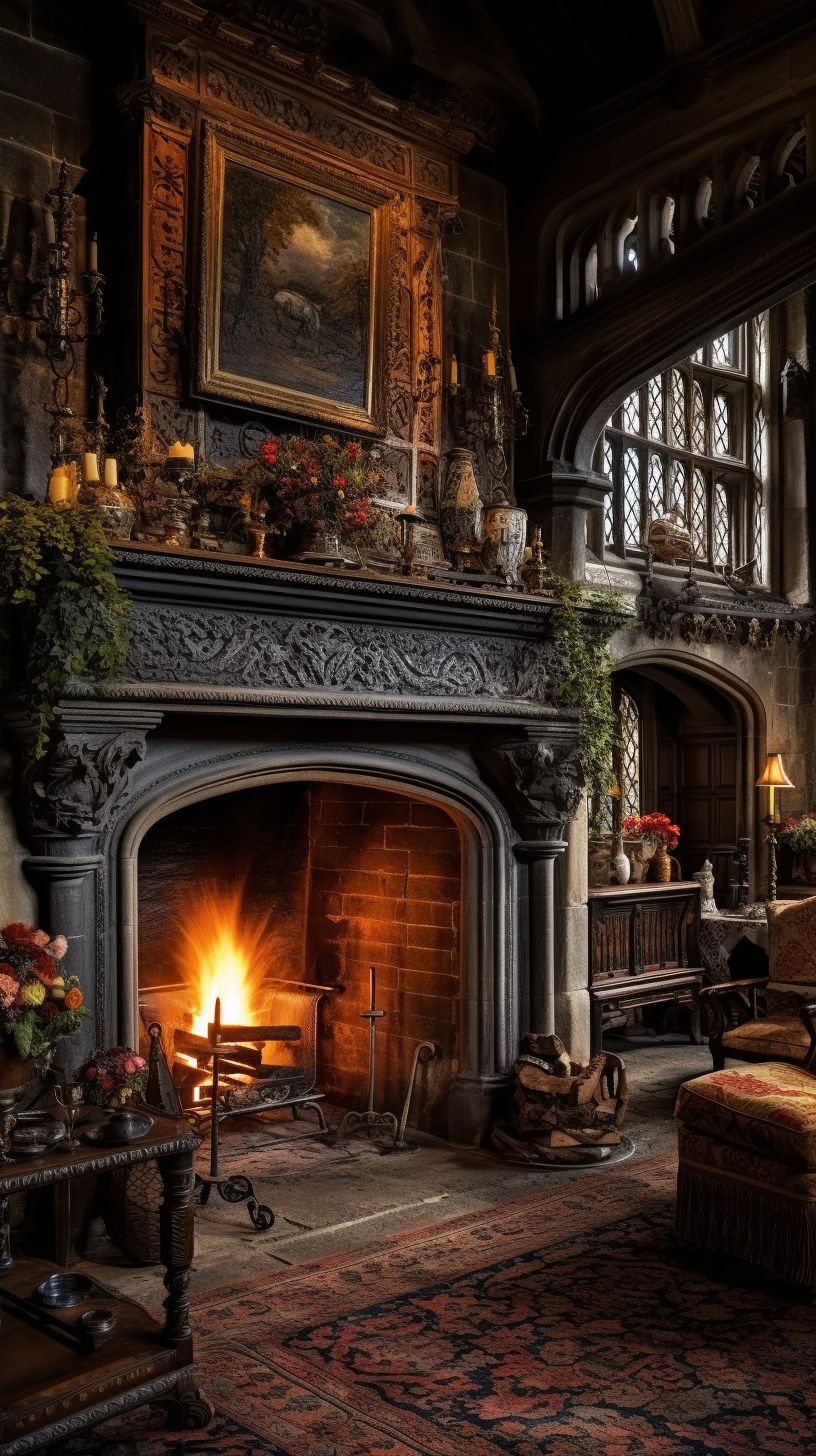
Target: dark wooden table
x,y
53,1386
643,950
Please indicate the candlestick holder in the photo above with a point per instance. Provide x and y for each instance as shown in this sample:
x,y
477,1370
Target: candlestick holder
x,y
69,1095
493,411
407,521
64,316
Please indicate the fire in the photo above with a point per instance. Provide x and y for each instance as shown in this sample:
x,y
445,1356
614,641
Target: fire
x,y
225,955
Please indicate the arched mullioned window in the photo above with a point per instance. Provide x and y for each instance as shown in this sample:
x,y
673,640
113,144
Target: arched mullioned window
x,y
694,440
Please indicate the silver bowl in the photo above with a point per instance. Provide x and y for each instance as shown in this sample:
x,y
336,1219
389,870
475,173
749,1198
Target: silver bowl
x,y
60,1291
97,1323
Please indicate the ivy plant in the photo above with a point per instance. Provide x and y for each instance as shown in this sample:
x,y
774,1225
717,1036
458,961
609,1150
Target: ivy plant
x,y
63,614
582,623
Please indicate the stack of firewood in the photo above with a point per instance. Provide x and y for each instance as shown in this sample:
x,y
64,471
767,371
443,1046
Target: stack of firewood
x,y
564,1111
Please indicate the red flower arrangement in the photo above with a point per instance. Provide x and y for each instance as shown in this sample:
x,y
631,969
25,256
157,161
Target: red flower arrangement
x,y
113,1076
314,484
38,1004
657,827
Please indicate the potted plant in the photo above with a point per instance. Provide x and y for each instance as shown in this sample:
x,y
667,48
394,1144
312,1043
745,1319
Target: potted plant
x,y
38,1004
659,832
799,836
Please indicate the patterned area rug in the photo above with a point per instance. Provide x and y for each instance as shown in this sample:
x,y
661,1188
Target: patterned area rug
x,y
569,1323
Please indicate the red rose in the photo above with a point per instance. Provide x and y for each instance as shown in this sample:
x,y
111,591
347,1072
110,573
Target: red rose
x,y
43,967
339,481
90,1074
107,1082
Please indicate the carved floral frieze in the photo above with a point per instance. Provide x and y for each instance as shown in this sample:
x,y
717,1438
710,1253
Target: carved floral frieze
x,y
247,650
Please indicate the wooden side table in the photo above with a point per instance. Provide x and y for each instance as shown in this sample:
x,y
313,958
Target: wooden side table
x,y
53,1384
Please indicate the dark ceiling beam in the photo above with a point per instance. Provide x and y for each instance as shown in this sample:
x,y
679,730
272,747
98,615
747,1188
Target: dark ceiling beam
x,y
577,378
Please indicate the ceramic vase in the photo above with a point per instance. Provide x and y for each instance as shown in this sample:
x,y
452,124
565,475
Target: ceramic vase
x,y
620,865
461,511
661,865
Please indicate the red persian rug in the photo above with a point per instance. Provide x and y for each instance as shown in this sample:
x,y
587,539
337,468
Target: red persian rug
x,y
569,1323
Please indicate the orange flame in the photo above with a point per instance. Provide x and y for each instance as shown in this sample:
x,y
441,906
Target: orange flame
x,y
225,955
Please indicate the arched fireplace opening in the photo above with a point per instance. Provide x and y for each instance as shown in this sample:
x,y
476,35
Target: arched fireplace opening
x,y
311,883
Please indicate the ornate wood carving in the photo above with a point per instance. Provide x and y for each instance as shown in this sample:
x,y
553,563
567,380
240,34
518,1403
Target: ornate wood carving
x,y
164,218
199,72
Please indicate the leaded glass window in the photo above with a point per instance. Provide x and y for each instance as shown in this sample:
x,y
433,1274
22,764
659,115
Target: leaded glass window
x,y
721,525
630,756
694,440
656,506
656,408
698,421
609,514
631,414
631,496
722,425
677,407
699,514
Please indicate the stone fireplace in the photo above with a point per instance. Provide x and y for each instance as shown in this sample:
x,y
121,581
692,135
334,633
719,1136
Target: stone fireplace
x,y
319,881
376,768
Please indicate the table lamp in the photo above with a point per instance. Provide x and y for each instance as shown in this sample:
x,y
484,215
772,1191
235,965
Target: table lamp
x,y
773,777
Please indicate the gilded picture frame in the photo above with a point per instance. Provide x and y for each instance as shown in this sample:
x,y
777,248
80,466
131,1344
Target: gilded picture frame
x,y
293,284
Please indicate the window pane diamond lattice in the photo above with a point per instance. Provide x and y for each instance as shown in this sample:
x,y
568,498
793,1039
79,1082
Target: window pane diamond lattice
x,y
656,506
656,408
699,515
630,767
609,519
677,407
631,497
698,421
721,524
631,414
721,351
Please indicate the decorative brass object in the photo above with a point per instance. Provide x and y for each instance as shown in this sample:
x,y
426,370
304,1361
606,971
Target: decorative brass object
x,y
535,573
461,512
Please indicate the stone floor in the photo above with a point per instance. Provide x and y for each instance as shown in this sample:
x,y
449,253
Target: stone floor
x,y
332,1199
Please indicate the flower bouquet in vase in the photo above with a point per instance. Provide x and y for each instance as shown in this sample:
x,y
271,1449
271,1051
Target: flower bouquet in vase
x,y
799,836
38,1003
661,835
112,1077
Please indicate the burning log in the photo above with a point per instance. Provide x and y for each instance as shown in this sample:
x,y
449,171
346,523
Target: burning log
x,y
565,1111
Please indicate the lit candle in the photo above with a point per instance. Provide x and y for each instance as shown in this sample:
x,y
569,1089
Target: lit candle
x,y
111,473
59,486
490,363
454,374
187,452
410,510
90,468
93,257
176,450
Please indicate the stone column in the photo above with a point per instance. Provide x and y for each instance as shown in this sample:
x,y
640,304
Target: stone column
x,y
558,500
65,800
540,776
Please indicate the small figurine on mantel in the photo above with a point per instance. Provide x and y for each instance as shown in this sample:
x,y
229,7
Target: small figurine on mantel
x,y
705,878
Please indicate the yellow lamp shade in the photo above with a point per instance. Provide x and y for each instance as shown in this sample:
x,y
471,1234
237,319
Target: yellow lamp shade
x,y
773,775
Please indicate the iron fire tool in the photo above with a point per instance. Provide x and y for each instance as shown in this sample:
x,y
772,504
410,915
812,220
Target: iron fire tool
x,y
237,1188
400,1144
369,1120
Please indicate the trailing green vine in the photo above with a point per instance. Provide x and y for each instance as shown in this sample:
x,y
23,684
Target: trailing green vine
x,y
581,625
63,614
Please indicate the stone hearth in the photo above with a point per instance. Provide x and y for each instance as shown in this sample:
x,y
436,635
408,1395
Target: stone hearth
x,y
413,725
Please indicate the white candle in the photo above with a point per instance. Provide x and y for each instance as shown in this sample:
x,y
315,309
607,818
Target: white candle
x,y
111,473
59,486
454,367
90,467
93,258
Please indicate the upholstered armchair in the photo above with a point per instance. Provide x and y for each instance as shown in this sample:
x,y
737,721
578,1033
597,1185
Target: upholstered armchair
x,y
787,1031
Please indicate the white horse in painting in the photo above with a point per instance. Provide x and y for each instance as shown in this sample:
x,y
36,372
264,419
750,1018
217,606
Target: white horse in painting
x,y
298,310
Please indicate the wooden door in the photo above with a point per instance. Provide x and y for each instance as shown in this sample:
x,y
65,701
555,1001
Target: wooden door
x,y
707,804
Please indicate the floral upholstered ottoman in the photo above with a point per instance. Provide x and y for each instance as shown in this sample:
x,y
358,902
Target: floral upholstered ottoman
x,y
746,1182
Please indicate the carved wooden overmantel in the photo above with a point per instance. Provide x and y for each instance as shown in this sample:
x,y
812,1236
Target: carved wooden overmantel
x,y
200,75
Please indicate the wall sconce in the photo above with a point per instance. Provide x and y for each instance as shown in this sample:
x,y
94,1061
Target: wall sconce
x,y
773,777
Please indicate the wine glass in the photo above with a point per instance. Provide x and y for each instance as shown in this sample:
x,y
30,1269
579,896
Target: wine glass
x,y
69,1096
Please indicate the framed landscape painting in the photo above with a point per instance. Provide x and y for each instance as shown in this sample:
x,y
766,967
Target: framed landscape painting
x,y
292,285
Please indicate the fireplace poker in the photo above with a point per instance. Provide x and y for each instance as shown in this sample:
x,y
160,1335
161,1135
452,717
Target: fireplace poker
x,y
369,1120
400,1144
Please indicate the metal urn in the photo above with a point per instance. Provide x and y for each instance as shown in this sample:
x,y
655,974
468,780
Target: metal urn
x,y
461,511
504,539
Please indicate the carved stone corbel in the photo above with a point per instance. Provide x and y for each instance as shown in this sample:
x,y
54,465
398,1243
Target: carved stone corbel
x,y
73,788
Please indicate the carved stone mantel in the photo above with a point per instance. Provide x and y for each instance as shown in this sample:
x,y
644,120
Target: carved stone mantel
x,y
443,691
